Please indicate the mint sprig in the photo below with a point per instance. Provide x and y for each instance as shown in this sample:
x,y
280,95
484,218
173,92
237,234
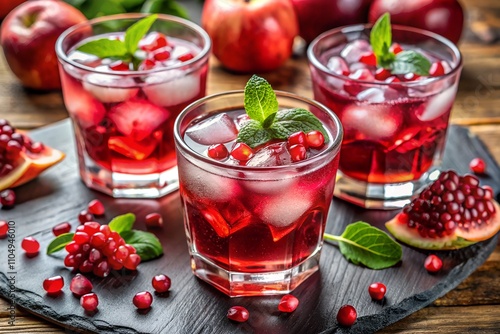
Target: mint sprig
x,y
124,50
402,63
267,122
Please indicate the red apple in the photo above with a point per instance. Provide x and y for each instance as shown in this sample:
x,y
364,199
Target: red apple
x,y
7,5
28,39
250,36
317,16
444,17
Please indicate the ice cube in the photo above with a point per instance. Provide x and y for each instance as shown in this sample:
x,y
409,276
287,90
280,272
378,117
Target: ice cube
x,y
353,50
437,105
354,88
271,155
338,66
215,130
172,87
371,121
109,88
241,120
215,219
284,209
137,118
372,95
358,66
130,148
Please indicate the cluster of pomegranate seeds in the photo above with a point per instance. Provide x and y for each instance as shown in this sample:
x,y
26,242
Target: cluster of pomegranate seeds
x,y
288,304
4,228
238,314
97,249
433,263
30,245
377,290
154,220
451,201
80,285
161,283
7,198
143,300
61,228
89,302
477,166
96,208
53,284
347,315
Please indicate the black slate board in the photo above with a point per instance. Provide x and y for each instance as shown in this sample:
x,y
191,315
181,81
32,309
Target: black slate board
x,y
193,306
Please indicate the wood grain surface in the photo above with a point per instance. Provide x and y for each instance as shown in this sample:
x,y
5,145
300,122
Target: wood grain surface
x,y
472,307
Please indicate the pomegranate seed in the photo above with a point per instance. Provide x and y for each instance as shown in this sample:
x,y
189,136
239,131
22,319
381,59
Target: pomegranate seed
x,y
114,263
89,302
86,266
395,48
437,69
8,130
241,152
95,255
143,300
105,230
91,228
477,165
4,228
131,249
377,291
121,253
153,41
297,152
7,198
102,269
297,138
84,216
315,139
185,57
218,151
61,228
81,238
30,245
154,220
382,74
238,313
147,64
53,284
80,285
132,261
72,247
347,316
36,147
119,66
161,54
161,283
368,58
98,240
110,247
410,77
96,207
433,263
288,304
69,261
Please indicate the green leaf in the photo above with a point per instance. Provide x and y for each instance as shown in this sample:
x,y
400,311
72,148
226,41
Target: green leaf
x,y
253,134
381,38
147,244
364,244
96,8
410,62
137,31
289,121
166,7
104,48
122,223
260,99
59,243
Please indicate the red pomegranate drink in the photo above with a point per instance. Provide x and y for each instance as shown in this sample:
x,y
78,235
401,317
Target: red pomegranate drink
x,y
256,187
393,92
123,89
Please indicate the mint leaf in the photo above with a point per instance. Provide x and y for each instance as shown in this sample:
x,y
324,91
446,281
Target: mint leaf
x,y
59,243
253,134
171,7
381,39
147,244
364,244
104,48
137,31
260,99
289,121
122,223
410,62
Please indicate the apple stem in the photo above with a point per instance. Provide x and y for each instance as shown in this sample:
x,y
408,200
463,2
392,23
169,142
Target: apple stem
x,y
30,19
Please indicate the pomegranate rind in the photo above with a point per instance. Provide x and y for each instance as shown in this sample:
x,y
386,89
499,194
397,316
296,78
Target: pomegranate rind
x,y
459,239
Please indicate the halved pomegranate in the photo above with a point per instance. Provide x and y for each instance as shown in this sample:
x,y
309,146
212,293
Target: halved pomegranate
x,y
21,159
451,213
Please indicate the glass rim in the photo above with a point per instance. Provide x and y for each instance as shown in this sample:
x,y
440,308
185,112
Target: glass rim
x,y
62,56
359,27
333,149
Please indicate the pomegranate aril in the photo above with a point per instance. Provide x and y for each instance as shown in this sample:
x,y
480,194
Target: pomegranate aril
x,y
377,290
86,266
121,253
161,54
347,315
85,216
81,238
98,240
96,207
477,166
382,74
395,48
433,263
110,247
238,313
36,147
315,139
143,300
91,227
297,138
147,64
102,269
61,228
410,77
7,198
95,255
132,261
114,263
69,261
288,303
241,152
297,152
4,228
186,57
53,284
161,283
119,65
153,41
218,151
30,245
80,285
368,58
72,247
437,69
89,302
104,229
154,220
131,249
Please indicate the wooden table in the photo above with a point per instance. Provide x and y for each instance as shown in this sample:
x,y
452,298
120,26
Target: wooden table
x,y
473,307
